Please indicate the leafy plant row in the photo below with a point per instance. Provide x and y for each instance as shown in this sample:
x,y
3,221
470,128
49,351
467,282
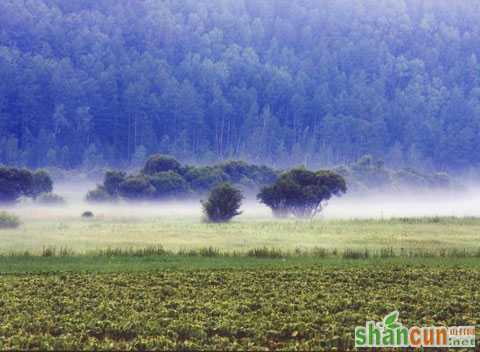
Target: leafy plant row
x,y
310,309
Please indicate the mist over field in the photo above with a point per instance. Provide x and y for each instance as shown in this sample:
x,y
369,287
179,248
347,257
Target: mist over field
x,y
463,203
409,204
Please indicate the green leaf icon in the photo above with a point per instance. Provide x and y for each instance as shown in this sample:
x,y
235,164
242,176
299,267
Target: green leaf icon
x,y
395,326
391,318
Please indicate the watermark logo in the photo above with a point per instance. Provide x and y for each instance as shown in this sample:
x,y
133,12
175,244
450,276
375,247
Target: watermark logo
x,y
391,333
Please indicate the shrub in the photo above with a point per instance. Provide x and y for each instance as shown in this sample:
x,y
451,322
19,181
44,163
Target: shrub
x,y
99,195
161,163
88,215
50,199
8,221
223,203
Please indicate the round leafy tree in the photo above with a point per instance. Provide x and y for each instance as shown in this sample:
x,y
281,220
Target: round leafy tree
x,y
302,193
15,183
223,203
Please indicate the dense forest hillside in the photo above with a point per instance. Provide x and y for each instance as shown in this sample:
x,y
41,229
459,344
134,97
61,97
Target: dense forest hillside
x,y
86,83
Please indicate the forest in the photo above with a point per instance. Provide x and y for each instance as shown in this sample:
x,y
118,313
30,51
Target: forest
x,y
95,83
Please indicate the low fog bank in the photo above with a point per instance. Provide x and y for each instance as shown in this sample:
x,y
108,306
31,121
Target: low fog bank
x,y
405,204
400,204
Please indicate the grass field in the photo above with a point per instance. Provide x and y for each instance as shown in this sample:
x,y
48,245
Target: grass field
x,y
188,232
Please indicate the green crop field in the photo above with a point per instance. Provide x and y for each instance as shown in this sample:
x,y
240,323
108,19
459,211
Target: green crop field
x,y
293,309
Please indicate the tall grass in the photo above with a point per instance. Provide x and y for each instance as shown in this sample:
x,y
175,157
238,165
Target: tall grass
x,y
56,252
208,252
131,252
261,252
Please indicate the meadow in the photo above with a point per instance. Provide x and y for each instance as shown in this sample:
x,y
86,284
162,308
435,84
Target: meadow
x,y
186,232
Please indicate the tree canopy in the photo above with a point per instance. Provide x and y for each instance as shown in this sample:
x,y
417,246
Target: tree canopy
x,y
223,203
301,192
16,183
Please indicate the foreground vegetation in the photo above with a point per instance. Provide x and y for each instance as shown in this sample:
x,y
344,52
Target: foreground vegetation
x,y
108,284
307,309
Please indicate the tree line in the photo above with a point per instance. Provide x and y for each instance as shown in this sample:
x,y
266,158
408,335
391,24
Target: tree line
x,y
164,178
297,192
90,83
